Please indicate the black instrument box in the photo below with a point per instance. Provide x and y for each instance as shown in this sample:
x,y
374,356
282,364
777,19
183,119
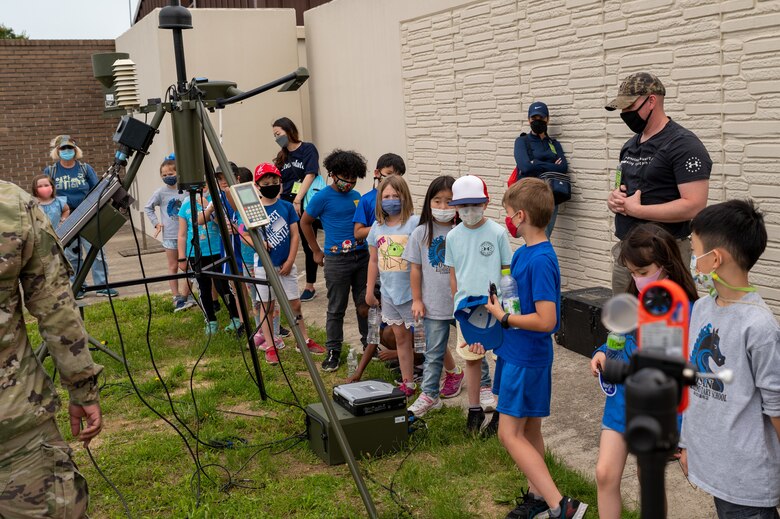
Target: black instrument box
x,y
581,330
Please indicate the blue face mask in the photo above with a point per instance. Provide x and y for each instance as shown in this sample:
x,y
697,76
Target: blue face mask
x,y
67,154
391,206
171,181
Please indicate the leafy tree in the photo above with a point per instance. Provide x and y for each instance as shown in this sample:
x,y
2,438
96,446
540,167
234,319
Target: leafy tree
x,y
6,33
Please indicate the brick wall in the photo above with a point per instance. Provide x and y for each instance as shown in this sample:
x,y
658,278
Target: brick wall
x,y
470,72
46,89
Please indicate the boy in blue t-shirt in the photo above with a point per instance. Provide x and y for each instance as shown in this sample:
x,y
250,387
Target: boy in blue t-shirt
x,y
347,257
477,249
523,378
281,239
387,165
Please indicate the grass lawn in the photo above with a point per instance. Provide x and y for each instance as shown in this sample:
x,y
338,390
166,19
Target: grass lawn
x,y
269,471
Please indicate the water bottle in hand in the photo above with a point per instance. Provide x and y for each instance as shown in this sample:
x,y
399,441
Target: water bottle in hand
x,y
510,300
373,325
419,336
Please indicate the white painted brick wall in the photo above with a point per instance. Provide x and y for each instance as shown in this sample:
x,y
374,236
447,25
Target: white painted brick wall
x,y
470,73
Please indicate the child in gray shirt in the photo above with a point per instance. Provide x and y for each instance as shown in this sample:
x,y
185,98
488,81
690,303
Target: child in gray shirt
x,y
168,199
731,432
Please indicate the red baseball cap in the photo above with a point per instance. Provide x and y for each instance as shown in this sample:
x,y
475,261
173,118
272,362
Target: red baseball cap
x,y
266,168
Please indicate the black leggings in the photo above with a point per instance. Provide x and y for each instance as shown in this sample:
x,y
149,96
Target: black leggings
x,y
311,265
223,289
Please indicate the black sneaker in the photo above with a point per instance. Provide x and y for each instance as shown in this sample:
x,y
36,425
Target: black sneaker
x,y
284,332
475,421
491,429
332,361
570,509
527,507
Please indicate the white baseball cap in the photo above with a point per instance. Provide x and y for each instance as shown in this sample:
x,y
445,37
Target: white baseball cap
x,y
469,189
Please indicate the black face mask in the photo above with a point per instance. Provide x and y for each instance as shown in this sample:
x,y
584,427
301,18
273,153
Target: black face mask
x,y
634,121
538,126
270,191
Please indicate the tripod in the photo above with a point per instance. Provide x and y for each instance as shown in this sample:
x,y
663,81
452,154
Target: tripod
x,y
192,131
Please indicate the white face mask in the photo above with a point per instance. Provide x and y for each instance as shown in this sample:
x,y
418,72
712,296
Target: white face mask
x,y
471,215
443,215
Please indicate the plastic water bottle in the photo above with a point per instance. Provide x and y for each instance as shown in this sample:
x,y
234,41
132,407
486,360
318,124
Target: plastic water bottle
x,y
509,297
373,325
419,336
352,362
616,342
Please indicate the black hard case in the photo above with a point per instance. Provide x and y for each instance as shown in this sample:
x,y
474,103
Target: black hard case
x,y
581,330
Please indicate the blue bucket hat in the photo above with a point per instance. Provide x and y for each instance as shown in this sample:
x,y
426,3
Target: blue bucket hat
x,y
477,324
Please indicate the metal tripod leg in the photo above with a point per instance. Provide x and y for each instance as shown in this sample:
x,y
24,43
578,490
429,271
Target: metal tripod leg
x,y
284,304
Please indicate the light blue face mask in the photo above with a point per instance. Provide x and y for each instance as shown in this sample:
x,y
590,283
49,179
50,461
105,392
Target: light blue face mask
x,y
391,206
67,154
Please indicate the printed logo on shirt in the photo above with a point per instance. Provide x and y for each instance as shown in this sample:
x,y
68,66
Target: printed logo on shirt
x,y
277,231
436,255
65,182
295,163
487,248
693,165
174,204
391,249
706,352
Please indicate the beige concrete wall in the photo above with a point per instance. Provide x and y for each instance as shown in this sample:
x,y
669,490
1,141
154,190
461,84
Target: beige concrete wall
x,y
247,46
448,83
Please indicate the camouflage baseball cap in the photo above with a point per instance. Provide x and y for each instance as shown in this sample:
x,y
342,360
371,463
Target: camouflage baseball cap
x,y
64,140
635,86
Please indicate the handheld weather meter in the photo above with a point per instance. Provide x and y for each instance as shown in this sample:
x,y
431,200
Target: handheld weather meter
x,y
663,323
249,205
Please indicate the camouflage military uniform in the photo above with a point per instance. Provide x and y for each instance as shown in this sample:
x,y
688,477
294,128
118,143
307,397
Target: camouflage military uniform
x,y
37,476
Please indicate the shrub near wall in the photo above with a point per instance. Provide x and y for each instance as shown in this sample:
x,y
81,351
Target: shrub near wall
x,y
471,71
46,89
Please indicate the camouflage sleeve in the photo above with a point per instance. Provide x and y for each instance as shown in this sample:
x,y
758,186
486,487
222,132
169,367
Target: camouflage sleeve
x,y
48,296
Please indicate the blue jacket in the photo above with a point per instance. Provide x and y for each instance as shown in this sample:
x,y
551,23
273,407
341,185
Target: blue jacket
x,y
534,155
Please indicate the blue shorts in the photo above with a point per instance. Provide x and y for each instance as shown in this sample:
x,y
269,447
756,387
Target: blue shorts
x,y
170,244
522,392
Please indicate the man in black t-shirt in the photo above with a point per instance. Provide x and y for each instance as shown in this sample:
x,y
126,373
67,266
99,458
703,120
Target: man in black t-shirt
x,y
665,169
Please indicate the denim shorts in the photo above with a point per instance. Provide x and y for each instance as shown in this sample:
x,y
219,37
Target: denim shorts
x,y
397,314
170,244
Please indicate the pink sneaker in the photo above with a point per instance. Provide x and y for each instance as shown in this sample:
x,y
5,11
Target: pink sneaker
x,y
279,343
453,383
409,388
259,341
314,348
271,357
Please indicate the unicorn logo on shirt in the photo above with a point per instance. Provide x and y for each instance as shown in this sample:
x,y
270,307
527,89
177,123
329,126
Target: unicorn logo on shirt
x,y
705,351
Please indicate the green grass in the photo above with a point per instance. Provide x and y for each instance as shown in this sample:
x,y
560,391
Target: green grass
x,y
447,475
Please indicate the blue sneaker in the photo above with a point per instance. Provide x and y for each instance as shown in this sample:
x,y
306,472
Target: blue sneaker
x,y
212,327
308,295
107,292
527,507
235,325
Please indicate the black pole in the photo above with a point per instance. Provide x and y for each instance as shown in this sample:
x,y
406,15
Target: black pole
x,y
178,51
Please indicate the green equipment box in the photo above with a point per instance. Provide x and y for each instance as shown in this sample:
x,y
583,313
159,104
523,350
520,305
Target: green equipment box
x,y
370,435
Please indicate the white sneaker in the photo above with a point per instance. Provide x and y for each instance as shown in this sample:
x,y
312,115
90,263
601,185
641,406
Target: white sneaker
x,y
423,404
486,399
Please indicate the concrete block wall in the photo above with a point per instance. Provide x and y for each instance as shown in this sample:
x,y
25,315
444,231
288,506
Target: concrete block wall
x,y
47,89
470,71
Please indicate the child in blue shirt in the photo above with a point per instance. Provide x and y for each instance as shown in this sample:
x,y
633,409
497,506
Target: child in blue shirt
x,y
387,241
55,207
650,253
477,249
345,258
523,379
388,164
281,238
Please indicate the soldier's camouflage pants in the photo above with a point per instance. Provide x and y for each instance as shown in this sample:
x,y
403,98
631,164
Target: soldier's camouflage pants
x,y
38,478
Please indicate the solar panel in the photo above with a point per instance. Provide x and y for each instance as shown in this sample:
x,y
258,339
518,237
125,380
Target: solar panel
x,y
79,217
